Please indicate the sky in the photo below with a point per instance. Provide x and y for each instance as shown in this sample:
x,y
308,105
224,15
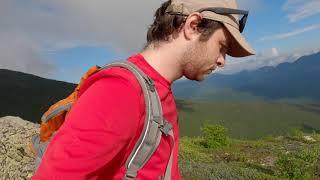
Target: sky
x,y
61,39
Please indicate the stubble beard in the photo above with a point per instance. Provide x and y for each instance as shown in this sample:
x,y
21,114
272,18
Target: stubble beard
x,y
192,62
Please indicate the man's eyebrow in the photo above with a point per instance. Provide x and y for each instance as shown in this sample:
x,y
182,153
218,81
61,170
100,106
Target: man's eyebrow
x,y
225,44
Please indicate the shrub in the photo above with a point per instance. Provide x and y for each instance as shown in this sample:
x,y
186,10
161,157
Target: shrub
x,y
218,171
290,167
213,136
191,150
296,134
297,165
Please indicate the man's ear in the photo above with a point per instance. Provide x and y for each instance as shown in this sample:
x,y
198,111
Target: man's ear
x,y
190,29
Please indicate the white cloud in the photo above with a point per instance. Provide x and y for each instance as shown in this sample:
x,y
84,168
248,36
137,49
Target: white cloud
x,y
275,52
301,9
290,34
29,29
120,24
57,24
234,65
22,54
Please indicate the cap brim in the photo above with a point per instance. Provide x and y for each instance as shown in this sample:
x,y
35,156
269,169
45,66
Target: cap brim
x,y
239,47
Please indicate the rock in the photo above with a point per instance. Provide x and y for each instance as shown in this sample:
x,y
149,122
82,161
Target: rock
x,y
269,161
16,162
309,139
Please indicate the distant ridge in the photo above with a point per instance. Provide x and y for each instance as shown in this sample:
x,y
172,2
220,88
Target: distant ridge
x,y
299,79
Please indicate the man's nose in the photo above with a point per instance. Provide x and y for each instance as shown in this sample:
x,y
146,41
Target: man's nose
x,y
221,61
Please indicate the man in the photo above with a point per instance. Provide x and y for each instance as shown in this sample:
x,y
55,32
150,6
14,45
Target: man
x,y
188,38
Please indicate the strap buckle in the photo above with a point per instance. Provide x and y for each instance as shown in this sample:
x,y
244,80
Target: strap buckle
x,y
165,128
130,175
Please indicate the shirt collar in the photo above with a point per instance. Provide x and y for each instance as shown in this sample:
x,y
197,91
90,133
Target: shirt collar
x,y
141,62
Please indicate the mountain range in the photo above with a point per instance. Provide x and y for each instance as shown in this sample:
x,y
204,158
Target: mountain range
x,y
299,79
29,96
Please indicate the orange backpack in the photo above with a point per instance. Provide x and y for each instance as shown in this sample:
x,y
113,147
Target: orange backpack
x,y
54,117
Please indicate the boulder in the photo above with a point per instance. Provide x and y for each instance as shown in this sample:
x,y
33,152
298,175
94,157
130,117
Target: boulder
x,y
16,160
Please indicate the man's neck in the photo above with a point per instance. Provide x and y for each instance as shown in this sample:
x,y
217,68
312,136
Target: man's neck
x,y
165,60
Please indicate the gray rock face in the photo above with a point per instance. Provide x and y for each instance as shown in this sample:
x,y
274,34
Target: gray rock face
x,y
16,160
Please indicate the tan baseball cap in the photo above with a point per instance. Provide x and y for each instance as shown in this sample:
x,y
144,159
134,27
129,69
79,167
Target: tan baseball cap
x,y
239,47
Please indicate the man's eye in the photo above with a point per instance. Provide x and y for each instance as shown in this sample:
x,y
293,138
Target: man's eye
x,y
223,49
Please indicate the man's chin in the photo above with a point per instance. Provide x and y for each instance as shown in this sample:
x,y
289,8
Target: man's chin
x,y
200,78
197,78
204,77
192,78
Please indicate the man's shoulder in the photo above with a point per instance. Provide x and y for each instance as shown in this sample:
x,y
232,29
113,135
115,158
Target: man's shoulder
x,y
113,75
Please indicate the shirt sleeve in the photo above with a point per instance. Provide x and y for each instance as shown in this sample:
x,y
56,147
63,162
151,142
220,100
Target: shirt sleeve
x,y
96,133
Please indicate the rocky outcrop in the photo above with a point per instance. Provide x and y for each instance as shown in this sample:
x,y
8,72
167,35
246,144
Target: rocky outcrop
x,y
16,160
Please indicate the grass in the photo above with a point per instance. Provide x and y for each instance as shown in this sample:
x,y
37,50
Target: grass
x,y
246,120
283,157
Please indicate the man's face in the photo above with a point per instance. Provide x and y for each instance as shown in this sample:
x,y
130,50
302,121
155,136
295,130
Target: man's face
x,y
203,57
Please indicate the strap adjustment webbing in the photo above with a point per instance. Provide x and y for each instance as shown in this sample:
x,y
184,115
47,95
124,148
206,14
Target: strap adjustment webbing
x,y
166,128
150,83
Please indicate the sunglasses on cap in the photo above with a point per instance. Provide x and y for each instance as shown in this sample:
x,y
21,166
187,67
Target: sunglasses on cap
x,y
226,11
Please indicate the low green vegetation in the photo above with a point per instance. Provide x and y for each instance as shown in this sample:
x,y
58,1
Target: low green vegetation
x,y
213,155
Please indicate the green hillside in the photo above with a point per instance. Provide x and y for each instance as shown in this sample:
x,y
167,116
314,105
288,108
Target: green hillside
x,y
248,120
293,156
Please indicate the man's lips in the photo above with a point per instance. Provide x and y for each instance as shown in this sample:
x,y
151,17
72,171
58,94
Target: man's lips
x,y
212,69
209,71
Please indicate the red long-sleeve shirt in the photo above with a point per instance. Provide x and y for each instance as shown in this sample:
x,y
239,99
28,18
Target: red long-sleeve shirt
x,y
103,126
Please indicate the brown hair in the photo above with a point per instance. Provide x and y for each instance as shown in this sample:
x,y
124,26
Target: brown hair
x,y
166,24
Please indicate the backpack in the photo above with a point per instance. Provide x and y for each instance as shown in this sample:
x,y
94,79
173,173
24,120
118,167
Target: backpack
x,y
154,126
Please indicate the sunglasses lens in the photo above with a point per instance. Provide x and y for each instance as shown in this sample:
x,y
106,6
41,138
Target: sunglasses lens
x,y
242,23
227,11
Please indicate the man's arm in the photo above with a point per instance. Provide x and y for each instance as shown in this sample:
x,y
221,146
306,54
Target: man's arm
x,y
96,134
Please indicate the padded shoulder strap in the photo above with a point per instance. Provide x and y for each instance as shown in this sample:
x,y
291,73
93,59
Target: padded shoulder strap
x,y
154,124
